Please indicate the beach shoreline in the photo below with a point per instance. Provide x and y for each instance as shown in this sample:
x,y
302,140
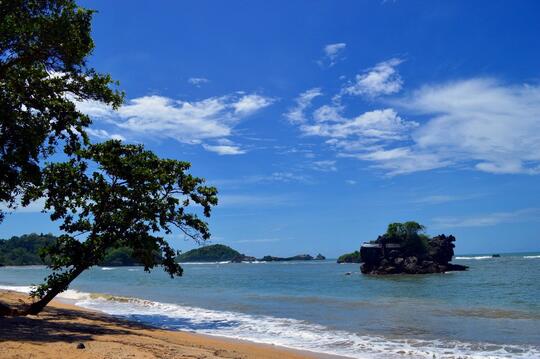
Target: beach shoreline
x,y
59,329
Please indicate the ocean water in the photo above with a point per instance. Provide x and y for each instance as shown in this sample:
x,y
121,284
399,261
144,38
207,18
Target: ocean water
x,y
490,311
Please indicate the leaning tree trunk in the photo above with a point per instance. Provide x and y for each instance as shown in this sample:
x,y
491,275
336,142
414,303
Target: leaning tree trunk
x,y
37,307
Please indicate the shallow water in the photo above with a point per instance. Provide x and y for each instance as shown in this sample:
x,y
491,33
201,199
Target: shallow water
x,y
490,311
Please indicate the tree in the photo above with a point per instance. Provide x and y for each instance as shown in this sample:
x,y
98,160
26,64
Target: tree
x,y
409,234
397,232
105,195
44,45
131,200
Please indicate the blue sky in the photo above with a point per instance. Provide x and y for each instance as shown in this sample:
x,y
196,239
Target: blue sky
x,y
321,121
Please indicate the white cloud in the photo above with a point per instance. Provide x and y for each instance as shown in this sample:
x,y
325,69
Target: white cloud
x,y
443,198
94,108
248,201
383,79
249,104
34,207
328,113
379,124
198,81
104,135
324,166
188,122
224,149
332,53
364,136
400,160
480,121
490,219
477,123
282,177
303,102
350,182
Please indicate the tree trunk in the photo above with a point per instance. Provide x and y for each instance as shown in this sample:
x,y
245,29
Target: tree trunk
x,y
38,306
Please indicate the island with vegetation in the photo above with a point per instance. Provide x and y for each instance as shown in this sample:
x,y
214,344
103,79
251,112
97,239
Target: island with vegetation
x,y
405,248
353,257
213,253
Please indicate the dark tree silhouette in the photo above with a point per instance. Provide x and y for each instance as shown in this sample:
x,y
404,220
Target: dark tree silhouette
x,y
132,200
107,195
43,51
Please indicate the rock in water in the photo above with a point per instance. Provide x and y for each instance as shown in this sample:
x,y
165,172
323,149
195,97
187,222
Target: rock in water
x,y
427,255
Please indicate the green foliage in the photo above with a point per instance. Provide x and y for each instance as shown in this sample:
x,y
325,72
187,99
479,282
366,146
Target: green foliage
x,y
131,200
119,257
25,250
211,253
43,50
353,257
400,232
409,234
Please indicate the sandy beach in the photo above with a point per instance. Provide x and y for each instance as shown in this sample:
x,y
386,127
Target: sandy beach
x,y
56,333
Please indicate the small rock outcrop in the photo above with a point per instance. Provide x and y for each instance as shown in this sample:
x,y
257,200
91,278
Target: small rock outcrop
x,y
243,258
409,252
299,257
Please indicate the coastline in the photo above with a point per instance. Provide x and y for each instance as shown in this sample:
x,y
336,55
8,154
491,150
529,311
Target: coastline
x,y
58,330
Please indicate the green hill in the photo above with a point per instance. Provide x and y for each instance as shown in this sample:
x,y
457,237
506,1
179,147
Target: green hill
x,y
353,257
211,253
24,250
119,257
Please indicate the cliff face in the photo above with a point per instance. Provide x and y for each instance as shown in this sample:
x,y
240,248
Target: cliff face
x,y
434,256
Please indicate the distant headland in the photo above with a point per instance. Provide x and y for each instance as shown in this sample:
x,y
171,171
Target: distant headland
x,y
25,250
223,253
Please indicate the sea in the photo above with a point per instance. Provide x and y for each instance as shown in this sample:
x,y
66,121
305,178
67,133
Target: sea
x,y
490,311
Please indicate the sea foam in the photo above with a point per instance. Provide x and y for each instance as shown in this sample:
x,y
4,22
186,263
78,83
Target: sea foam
x,y
285,332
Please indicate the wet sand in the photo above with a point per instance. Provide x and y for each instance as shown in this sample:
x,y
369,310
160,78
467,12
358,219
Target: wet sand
x,y
58,330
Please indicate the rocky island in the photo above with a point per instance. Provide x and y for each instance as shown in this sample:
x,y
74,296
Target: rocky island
x,y
300,257
404,248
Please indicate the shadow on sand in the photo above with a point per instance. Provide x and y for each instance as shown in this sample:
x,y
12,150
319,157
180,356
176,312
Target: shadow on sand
x,y
56,324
